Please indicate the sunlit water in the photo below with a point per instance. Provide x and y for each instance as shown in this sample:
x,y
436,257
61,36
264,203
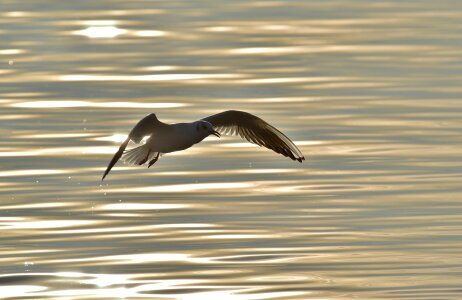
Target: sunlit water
x,y
369,90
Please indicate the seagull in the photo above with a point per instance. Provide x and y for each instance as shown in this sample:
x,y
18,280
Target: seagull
x,y
166,138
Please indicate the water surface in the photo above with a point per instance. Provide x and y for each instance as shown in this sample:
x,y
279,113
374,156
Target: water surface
x,y
369,91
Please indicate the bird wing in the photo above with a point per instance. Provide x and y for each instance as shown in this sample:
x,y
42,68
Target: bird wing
x,y
116,157
254,130
145,127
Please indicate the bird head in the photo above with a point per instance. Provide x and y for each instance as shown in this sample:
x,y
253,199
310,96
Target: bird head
x,y
206,128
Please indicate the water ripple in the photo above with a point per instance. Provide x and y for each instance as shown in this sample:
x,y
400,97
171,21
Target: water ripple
x,y
369,91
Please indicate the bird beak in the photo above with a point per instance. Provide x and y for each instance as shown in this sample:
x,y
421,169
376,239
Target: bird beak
x,y
216,133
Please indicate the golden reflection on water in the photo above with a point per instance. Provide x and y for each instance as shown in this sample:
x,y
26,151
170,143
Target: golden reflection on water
x,y
152,77
40,224
18,152
55,135
13,173
150,33
11,51
142,206
116,138
101,32
183,188
369,92
78,103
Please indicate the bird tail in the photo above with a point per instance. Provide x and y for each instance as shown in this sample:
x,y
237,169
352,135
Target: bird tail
x,y
138,155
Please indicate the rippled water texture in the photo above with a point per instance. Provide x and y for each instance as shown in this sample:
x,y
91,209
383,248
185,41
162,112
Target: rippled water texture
x,y
369,90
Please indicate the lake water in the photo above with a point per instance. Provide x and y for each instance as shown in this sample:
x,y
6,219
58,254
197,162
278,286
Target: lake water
x,y
369,90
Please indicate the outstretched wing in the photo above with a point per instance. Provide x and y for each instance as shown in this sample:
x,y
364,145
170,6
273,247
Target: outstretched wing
x,y
254,130
116,157
145,127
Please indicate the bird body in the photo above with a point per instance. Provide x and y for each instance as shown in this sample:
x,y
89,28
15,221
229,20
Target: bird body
x,y
167,138
175,137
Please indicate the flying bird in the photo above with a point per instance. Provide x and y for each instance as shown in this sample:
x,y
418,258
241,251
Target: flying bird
x,y
166,138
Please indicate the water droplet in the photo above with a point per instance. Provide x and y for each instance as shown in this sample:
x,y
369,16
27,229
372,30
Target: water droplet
x,y
28,265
